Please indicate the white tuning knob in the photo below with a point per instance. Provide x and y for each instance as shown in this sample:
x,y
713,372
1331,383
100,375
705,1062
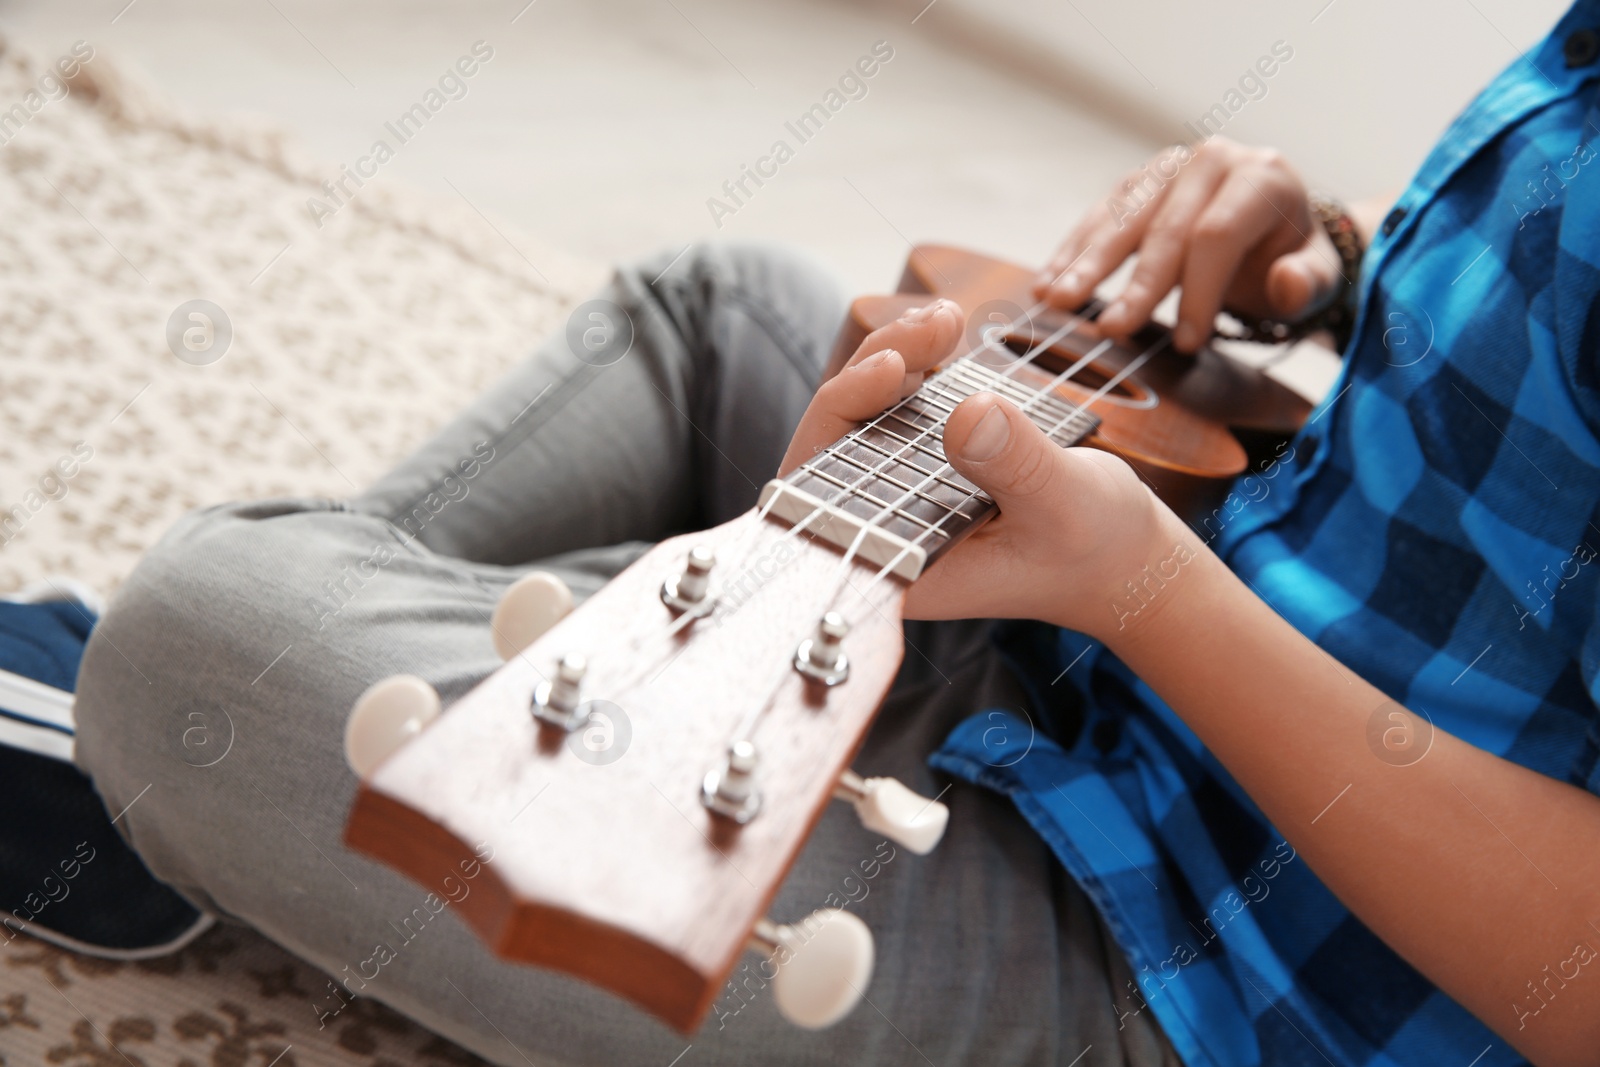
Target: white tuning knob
x,y
824,963
533,604
889,808
386,716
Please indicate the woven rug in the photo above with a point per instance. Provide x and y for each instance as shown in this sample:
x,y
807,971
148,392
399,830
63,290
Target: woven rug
x,y
321,356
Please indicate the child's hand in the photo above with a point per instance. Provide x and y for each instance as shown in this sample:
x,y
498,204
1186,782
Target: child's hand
x,y
1075,525
887,367
1229,223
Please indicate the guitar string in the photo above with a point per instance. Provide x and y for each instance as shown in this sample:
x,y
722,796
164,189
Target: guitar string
x,y
993,338
990,343
945,467
996,379
753,718
1110,384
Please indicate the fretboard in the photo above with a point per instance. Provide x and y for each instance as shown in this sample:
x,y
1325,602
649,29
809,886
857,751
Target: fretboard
x,y
892,472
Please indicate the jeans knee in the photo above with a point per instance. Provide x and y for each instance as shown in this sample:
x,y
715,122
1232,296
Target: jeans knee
x,y
183,635
711,291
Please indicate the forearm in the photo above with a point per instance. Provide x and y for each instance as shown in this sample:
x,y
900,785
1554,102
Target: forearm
x,y
1479,872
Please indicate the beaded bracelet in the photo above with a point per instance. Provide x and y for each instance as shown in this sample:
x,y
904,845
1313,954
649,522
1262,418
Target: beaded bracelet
x,y
1338,315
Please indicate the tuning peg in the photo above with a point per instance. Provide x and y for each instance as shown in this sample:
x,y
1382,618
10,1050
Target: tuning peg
x,y
889,808
730,787
533,604
823,965
687,591
821,656
559,700
386,716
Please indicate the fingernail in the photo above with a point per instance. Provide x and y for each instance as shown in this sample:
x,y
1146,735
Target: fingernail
x,y
922,314
1070,282
910,384
1186,336
989,436
876,359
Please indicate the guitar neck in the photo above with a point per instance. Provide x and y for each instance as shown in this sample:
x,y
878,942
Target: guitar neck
x,y
886,490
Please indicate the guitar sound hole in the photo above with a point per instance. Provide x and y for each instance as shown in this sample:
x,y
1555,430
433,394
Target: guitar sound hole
x,y
1059,357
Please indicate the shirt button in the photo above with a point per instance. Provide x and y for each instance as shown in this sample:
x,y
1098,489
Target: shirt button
x,y
1580,48
1392,221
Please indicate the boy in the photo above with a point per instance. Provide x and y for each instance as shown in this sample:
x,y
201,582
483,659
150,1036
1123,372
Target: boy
x,y
1328,794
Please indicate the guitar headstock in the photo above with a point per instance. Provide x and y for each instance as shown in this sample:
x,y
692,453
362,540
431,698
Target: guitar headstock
x,y
608,850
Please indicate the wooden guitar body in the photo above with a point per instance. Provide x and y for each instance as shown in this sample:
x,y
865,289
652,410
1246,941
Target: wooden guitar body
x,y
1188,424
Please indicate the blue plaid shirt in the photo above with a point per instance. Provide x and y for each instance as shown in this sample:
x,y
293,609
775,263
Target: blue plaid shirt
x,y
1434,527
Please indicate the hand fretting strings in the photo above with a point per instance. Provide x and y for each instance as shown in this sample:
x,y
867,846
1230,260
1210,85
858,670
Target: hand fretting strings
x,y
1110,384
1042,394
752,719
993,339
840,578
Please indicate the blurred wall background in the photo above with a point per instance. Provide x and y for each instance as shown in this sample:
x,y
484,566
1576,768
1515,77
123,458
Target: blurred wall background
x,y
1370,85
609,126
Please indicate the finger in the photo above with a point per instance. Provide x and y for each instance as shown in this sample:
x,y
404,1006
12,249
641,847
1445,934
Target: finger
x,y
1107,243
1108,233
858,392
1238,217
1001,451
1162,251
1004,453
1060,281
923,336
1303,281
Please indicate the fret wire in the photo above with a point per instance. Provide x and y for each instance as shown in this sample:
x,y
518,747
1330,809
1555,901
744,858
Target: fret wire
x,y
1032,354
923,431
893,411
949,394
862,494
1017,390
876,473
1079,360
1112,383
936,454
922,395
1071,412
942,480
1088,312
887,478
1076,413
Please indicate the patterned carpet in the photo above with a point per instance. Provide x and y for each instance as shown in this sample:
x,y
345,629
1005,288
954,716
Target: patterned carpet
x,y
349,344
231,999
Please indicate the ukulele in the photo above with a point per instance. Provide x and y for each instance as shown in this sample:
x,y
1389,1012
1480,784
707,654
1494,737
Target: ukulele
x,y
630,789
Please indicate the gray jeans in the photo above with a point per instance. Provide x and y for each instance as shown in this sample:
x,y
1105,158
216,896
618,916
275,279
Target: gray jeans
x,y
259,623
